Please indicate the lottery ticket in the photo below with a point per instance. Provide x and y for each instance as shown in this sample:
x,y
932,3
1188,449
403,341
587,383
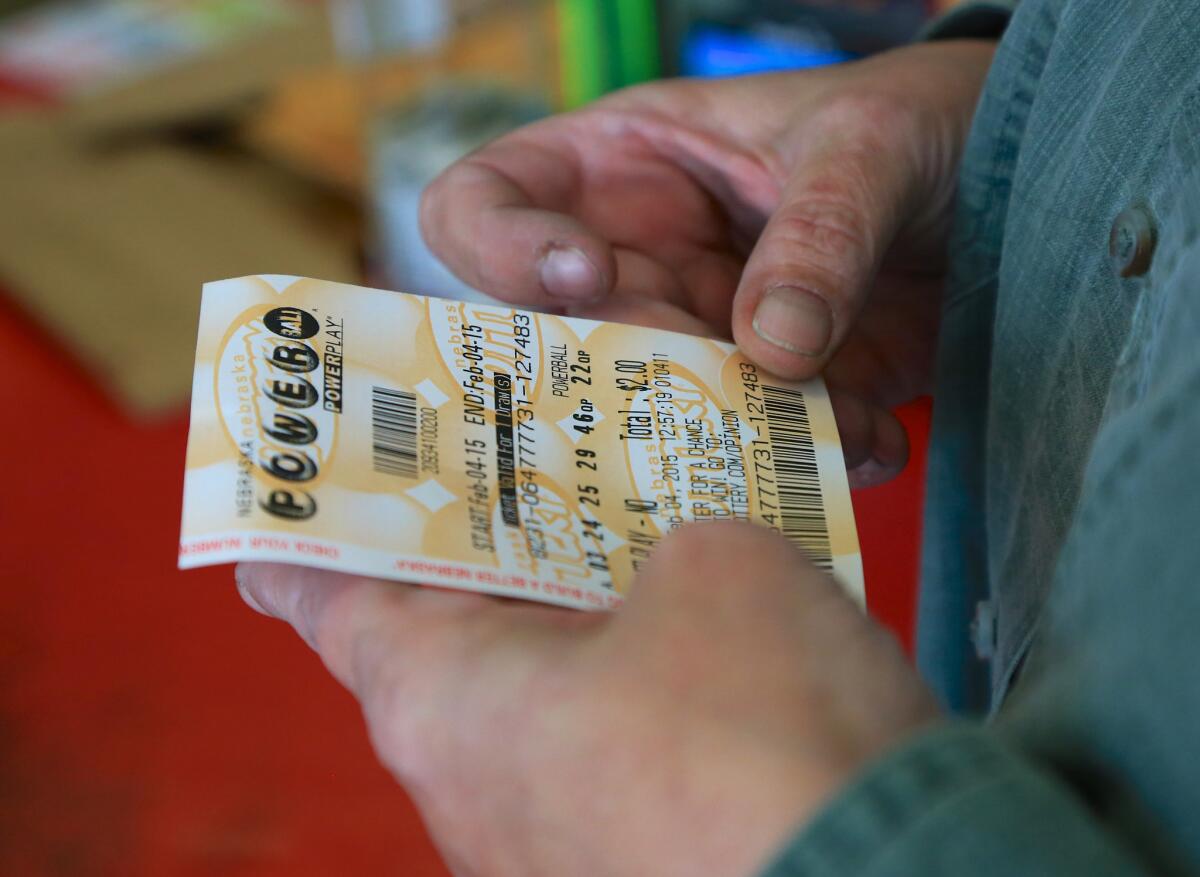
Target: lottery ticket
x,y
489,448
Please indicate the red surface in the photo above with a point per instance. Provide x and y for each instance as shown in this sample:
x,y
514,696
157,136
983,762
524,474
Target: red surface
x,y
152,725
16,92
889,528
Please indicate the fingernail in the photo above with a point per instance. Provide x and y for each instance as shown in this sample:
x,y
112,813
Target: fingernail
x,y
795,320
240,577
568,274
869,473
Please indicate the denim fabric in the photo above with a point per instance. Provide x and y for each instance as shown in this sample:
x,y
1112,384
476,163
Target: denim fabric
x,y
1075,126
1063,489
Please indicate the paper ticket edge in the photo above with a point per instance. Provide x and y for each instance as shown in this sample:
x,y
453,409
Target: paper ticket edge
x,y
847,567
359,561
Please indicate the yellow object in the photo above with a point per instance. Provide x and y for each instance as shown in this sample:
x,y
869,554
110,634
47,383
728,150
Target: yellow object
x,y
482,447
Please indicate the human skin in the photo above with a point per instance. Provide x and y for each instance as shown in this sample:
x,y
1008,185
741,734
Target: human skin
x,y
687,734
738,689
802,214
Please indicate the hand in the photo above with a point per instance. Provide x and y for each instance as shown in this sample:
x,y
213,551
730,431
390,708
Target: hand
x,y
689,733
803,214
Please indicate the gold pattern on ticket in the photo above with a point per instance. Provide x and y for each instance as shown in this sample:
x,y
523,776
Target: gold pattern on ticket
x,y
488,448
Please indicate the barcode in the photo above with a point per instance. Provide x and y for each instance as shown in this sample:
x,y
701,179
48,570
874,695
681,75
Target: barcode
x,y
394,431
801,511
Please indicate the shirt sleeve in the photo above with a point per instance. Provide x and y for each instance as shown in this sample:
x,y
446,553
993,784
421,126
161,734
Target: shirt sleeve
x,y
980,19
955,801
1089,770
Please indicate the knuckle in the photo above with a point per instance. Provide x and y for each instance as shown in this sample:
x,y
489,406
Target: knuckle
x,y
397,733
447,195
827,256
431,207
382,687
868,114
396,697
825,225
431,197
323,614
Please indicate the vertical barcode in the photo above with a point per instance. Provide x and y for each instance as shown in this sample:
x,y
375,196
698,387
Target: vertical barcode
x,y
394,431
801,511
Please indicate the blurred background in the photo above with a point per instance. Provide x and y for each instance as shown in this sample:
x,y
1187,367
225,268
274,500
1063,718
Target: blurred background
x,y
149,723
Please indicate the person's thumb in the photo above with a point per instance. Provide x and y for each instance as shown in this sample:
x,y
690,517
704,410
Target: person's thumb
x,y
812,268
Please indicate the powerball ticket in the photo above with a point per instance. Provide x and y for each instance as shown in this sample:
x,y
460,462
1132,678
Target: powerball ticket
x,y
488,448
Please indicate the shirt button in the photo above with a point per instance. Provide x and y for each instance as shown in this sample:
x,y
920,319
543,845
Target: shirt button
x,y
983,630
1131,242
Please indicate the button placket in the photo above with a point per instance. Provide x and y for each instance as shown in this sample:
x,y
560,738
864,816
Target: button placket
x,y
983,630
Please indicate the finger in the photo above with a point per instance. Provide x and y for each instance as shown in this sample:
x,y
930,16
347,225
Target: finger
x,y
874,443
351,621
812,268
725,570
499,220
370,632
728,581
692,298
711,279
654,313
641,277
889,454
647,293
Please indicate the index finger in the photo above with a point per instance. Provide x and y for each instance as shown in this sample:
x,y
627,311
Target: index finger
x,y
351,621
375,635
500,220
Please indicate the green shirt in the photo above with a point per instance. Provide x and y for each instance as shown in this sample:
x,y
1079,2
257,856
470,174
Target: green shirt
x,y
1060,600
